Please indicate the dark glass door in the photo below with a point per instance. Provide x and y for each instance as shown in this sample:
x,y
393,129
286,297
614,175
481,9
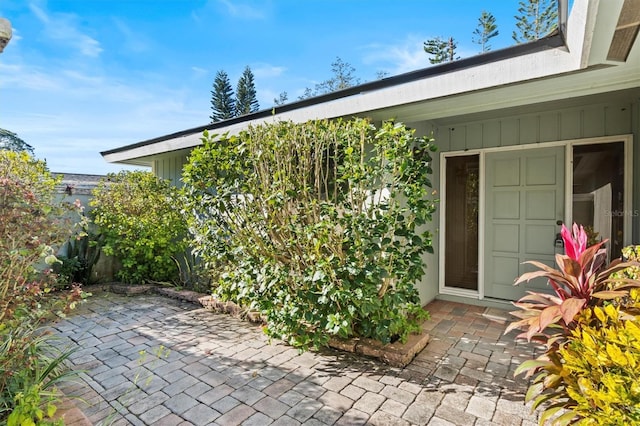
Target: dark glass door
x,y
461,233
598,193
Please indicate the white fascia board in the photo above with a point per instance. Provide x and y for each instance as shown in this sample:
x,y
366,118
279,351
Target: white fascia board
x,y
535,66
600,32
168,145
175,144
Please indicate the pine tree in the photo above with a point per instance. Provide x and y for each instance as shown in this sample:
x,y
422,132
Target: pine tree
x,y
487,29
441,50
222,102
11,142
246,101
343,77
281,99
537,19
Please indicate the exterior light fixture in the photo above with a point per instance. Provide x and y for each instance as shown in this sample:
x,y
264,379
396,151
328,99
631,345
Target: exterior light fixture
x,y
5,33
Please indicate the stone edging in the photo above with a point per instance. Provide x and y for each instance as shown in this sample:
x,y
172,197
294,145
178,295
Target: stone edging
x,y
395,354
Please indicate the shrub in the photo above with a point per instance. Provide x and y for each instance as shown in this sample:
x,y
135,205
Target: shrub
x,y
630,253
32,225
600,365
77,258
31,364
138,217
320,226
582,283
581,280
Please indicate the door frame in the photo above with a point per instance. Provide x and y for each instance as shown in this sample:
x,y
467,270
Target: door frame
x,y
626,139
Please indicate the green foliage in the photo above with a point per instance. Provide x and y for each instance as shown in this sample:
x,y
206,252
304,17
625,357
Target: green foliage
x,y
441,50
32,224
30,365
486,30
536,19
193,275
222,101
10,141
320,226
30,409
630,253
246,100
78,257
137,215
591,302
600,367
581,280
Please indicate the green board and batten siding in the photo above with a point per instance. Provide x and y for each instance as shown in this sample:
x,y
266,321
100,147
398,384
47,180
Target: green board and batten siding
x,y
495,129
170,167
566,124
550,125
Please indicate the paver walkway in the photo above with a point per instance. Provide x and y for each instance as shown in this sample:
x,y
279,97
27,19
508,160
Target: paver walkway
x,y
149,360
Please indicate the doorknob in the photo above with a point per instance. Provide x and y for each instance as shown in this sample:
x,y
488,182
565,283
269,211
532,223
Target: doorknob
x,y
559,242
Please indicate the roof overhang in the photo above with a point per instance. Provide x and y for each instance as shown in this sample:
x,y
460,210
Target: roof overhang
x,y
564,65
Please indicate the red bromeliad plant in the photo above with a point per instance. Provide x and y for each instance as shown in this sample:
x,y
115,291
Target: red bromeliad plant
x,y
581,281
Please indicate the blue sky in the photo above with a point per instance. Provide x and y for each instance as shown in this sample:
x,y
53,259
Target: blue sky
x,y
84,76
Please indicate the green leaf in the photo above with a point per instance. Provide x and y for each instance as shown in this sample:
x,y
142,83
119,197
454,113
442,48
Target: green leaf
x,y
533,391
531,364
318,275
549,412
565,419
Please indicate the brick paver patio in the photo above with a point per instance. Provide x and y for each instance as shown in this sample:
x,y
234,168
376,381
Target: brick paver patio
x,y
150,360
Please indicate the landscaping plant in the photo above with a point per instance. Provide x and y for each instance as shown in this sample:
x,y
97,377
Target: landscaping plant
x,y
320,226
32,224
601,365
78,257
140,222
582,285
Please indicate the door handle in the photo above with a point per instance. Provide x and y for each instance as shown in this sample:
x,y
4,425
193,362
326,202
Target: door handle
x,y
558,242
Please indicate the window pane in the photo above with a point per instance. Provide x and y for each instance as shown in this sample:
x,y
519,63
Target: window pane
x,y
461,234
598,193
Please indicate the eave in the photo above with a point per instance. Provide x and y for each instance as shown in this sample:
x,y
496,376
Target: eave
x,y
553,68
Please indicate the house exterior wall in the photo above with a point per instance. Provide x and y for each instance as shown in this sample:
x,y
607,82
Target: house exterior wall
x,y
170,167
566,124
586,121
548,125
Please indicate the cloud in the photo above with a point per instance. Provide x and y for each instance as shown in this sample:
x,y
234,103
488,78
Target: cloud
x,y
62,27
244,11
267,71
408,55
199,72
15,37
20,77
133,41
399,58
